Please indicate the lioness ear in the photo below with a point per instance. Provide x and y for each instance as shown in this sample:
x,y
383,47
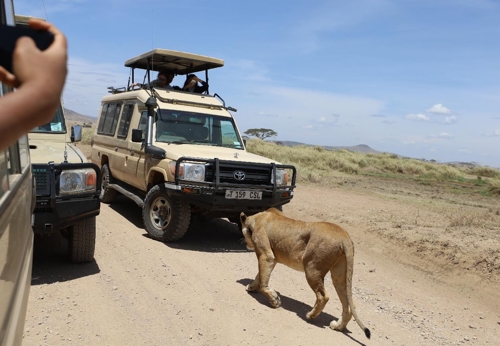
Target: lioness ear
x,y
243,217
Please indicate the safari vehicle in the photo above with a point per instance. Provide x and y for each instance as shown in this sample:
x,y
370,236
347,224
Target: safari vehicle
x,y
67,185
17,199
179,154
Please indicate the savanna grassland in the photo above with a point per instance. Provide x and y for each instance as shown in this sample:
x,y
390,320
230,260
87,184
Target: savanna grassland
x,y
445,213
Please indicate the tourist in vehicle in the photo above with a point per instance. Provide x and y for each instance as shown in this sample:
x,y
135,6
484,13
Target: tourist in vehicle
x,y
191,84
39,77
163,80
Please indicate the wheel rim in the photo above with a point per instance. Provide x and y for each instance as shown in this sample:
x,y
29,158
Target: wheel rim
x,y
160,213
104,184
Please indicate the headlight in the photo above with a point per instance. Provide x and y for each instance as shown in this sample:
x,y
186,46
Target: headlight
x,y
281,177
189,171
77,181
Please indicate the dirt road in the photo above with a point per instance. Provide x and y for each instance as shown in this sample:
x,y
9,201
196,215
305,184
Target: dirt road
x,y
143,292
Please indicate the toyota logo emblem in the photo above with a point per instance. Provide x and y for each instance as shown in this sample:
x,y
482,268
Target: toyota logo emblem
x,y
239,175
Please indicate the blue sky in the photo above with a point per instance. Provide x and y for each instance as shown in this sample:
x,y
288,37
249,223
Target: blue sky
x,y
418,78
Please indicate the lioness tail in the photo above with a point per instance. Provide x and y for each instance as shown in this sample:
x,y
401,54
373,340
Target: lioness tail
x,y
349,254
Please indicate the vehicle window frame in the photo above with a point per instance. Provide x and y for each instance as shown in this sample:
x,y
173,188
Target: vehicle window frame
x,y
108,120
125,119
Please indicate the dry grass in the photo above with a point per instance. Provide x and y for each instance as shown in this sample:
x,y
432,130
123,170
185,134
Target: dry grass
x,y
87,134
315,163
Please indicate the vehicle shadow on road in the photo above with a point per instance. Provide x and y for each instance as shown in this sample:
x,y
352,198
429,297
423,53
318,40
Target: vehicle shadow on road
x,y
51,262
128,209
216,235
300,309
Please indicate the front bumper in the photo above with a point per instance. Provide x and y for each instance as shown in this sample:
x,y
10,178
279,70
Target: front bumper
x,y
53,212
209,196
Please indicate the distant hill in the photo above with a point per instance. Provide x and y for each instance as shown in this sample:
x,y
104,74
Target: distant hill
x,y
78,118
360,148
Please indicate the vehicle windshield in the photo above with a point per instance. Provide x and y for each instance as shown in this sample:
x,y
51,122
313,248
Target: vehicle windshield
x,y
181,127
56,125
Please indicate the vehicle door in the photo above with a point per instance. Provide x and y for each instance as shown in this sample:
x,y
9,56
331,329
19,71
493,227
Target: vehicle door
x,y
136,159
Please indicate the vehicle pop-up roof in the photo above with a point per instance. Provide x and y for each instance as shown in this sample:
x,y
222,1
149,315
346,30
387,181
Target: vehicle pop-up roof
x,y
180,63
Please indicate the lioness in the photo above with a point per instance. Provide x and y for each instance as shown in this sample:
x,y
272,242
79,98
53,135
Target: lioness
x,y
311,247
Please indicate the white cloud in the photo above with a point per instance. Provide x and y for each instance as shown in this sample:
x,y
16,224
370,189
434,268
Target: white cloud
x,y
495,133
250,70
439,109
442,135
87,83
450,120
445,135
418,117
432,138
327,121
303,102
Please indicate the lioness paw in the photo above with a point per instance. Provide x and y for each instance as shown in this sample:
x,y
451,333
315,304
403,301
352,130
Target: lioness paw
x,y
252,287
337,326
309,315
275,300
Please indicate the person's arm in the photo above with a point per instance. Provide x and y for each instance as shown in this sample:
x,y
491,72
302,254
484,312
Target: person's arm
x,y
39,77
203,87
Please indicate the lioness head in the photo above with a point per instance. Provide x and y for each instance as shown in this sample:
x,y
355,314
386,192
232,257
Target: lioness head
x,y
246,228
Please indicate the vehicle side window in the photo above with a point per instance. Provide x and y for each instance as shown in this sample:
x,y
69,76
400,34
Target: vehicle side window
x,y
4,178
109,119
124,125
143,123
13,161
101,118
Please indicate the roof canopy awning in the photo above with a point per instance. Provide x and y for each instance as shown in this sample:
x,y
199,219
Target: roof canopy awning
x,y
177,62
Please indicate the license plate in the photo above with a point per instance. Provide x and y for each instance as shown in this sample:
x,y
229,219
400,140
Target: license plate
x,y
242,194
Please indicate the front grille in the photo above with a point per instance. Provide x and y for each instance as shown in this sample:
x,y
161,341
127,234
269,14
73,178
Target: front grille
x,y
253,175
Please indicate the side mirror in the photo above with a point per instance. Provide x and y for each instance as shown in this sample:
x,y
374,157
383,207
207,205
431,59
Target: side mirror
x,y
76,133
245,142
137,135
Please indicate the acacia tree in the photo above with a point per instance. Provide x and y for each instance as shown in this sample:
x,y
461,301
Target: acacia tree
x,y
261,133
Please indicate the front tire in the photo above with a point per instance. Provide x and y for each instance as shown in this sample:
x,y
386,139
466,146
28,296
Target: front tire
x,y
164,218
81,241
107,195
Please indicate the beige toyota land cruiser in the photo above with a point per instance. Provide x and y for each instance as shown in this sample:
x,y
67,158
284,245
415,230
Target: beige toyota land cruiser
x,y
17,200
67,185
178,154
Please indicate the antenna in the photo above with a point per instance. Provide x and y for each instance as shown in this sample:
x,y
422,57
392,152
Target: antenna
x,y
46,15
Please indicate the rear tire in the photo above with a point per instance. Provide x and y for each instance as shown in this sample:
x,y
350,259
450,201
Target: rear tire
x,y
164,218
237,221
107,195
81,241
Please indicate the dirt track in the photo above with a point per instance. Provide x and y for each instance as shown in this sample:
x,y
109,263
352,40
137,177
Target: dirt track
x,y
410,288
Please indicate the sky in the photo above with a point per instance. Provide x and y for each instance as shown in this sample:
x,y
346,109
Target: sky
x,y
418,78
